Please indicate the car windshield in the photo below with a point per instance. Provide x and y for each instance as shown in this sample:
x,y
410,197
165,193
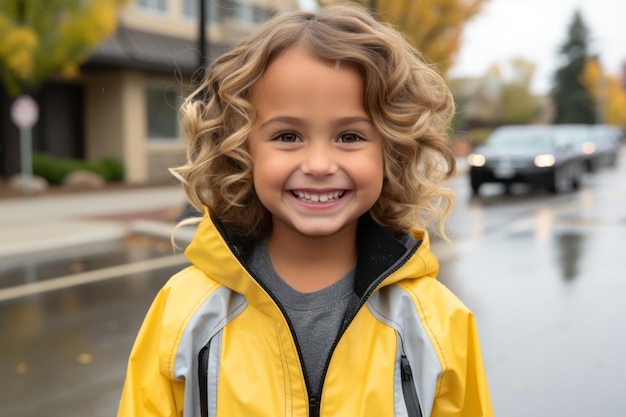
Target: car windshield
x,y
519,139
574,135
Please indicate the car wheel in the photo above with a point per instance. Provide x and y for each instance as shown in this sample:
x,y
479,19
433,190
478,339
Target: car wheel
x,y
475,187
576,180
557,182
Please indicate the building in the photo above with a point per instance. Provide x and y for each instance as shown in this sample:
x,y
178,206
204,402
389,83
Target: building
x,y
124,103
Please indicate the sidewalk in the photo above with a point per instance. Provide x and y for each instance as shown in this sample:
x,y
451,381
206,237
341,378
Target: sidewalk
x,y
31,223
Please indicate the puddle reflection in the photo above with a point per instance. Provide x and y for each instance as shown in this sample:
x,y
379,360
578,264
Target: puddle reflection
x,y
69,261
569,251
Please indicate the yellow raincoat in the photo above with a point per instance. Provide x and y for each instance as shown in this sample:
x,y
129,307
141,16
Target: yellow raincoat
x,y
215,343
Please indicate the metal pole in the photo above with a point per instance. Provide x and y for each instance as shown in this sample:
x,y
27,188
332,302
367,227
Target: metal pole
x,y
202,38
203,48
26,159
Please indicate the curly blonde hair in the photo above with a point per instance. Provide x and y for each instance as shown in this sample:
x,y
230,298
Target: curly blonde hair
x,y
409,104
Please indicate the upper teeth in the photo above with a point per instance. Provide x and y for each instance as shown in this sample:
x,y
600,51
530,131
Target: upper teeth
x,y
315,198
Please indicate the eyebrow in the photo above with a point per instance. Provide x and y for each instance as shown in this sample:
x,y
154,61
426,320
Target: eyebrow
x,y
296,120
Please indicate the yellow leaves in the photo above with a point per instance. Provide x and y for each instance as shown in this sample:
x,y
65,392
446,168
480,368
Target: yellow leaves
x,y
616,110
591,75
70,70
90,25
103,21
435,27
51,37
17,50
607,92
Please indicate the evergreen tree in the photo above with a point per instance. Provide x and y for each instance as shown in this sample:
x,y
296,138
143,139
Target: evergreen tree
x,y
571,98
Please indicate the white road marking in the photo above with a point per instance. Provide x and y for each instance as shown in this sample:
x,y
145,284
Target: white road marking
x,y
67,281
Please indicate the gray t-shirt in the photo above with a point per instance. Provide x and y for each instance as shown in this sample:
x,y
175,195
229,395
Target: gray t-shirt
x,y
316,316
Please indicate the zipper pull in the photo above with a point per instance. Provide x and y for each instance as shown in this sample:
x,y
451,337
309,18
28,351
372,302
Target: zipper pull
x,y
314,407
411,399
405,369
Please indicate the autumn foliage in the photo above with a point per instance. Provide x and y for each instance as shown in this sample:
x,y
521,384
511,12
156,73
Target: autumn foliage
x,y
42,37
607,91
434,27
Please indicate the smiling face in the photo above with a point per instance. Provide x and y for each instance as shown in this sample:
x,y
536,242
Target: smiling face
x,y
318,160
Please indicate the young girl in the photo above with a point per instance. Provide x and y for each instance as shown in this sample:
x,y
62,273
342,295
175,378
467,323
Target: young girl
x,y
316,149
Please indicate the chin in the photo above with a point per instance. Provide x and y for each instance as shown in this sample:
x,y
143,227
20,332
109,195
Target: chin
x,y
321,231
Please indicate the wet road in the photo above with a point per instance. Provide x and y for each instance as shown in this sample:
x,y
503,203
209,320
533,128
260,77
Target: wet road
x,y
542,273
63,348
544,276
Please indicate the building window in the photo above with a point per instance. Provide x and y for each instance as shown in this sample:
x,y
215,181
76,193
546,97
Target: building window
x,y
228,9
259,15
245,12
153,5
191,10
249,13
162,114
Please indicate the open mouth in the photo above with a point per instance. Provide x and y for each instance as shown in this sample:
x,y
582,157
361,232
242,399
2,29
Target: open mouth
x,y
309,197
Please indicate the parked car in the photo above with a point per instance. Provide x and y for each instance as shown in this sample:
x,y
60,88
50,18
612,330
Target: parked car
x,y
608,139
582,138
526,154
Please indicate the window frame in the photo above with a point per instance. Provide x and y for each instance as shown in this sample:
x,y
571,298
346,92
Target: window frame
x,y
167,93
153,6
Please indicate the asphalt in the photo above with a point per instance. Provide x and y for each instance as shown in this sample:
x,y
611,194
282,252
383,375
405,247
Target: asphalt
x,y
56,219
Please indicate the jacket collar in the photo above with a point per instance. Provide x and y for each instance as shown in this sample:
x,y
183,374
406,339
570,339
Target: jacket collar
x,y
383,258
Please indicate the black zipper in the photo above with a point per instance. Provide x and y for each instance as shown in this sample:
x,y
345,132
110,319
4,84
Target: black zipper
x,y
314,412
314,401
203,364
408,389
314,406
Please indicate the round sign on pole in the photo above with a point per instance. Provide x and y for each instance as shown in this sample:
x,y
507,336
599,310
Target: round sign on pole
x,y
24,112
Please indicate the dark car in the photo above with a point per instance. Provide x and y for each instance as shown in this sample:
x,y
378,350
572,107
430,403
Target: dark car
x,y
597,144
581,136
608,140
526,154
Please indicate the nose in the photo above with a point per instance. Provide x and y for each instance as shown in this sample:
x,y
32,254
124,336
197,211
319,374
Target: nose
x,y
319,160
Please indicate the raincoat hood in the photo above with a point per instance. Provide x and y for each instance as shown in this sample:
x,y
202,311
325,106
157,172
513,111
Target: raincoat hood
x,y
383,258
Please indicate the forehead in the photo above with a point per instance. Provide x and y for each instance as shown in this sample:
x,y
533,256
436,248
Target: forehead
x,y
300,72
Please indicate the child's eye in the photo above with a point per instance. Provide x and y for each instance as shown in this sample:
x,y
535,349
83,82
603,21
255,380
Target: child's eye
x,y
350,138
287,137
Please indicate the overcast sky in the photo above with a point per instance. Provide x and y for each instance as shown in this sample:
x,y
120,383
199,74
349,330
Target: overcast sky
x,y
534,30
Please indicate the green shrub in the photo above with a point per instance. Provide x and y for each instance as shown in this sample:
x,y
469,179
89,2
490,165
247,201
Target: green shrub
x,y
114,168
54,169
43,166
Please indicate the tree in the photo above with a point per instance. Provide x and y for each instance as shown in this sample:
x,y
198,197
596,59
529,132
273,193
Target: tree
x,y
433,26
607,92
39,38
572,100
519,105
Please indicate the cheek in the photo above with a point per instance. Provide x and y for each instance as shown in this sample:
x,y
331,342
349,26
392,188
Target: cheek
x,y
378,179
376,167
368,175
379,175
267,177
260,164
